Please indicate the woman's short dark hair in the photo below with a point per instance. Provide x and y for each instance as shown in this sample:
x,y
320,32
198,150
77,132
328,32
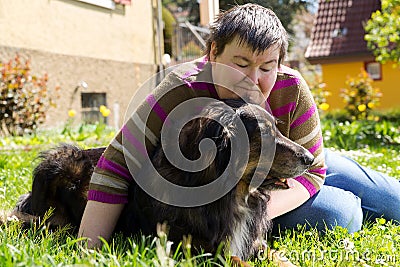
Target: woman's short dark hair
x,y
254,25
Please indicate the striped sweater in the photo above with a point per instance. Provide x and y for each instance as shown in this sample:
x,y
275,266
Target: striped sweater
x,y
290,101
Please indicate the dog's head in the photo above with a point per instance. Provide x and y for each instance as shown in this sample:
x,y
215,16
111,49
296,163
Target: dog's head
x,y
220,125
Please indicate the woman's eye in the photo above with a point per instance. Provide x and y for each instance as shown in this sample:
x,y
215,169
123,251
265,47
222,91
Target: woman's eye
x,y
241,65
265,70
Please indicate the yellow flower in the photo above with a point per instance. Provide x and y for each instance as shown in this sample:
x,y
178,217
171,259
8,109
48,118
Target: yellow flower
x,y
353,93
102,108
362,107
371,105
105,112
324,106
71,113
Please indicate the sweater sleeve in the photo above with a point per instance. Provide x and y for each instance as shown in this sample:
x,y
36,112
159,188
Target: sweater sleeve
x,y
293,103
305,129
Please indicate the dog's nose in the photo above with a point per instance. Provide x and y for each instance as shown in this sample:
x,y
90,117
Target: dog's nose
x,y
307,158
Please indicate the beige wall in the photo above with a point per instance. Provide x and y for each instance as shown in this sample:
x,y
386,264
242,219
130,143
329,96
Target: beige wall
x,y
71,27
112,51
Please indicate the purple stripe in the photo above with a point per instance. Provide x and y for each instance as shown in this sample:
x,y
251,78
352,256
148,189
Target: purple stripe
x,y
156,107
106,197
199,86
199,68
203,86
284,109
132,139
285,83
316,146
213,91
303,118
319,171
108,165
307,184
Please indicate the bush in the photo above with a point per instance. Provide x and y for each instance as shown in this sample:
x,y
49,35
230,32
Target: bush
x,y
319,91
24,98
359,134
360,96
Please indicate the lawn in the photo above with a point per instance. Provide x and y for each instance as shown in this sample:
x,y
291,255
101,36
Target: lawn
x,y
375,145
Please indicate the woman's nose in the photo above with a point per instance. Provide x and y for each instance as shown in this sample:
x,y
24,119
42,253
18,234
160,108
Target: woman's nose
x,y
253,75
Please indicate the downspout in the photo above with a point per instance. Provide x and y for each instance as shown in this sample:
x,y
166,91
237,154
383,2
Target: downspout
x,y
160,39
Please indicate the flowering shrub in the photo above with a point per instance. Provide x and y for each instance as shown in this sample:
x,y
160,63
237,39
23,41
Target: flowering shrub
x,y
360,97
24,98
319,92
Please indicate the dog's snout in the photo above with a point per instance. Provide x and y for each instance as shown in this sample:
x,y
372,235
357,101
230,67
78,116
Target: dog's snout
x,y
307,158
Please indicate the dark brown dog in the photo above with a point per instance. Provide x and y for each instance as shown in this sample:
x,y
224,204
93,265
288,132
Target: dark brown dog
x,y
239,218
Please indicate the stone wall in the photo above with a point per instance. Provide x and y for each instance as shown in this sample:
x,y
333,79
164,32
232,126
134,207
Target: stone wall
x,y
119,80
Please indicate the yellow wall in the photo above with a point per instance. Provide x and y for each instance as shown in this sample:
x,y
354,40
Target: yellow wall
x,y
336,74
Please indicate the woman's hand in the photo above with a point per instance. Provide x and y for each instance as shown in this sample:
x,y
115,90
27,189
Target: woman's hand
x,y
99,220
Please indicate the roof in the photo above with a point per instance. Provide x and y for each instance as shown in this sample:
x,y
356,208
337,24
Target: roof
x,y
338,32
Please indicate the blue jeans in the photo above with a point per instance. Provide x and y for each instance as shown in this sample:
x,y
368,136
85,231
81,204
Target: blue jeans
x,y
351,194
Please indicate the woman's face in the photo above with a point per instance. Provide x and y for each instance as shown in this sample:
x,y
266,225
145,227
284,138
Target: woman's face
x,y
240,72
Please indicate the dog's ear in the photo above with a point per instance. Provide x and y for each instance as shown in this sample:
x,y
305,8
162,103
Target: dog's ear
x,y
42,185
200,129
250,122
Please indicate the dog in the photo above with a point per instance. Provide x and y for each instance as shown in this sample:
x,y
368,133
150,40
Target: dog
x,y
238,219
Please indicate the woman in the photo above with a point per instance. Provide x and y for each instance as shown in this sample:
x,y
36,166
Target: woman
x,y
243,59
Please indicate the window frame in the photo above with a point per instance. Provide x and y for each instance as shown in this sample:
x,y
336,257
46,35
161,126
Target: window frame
x,y
372,75
90,107
109,4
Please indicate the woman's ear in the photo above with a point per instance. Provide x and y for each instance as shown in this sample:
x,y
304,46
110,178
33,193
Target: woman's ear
x,y
213,51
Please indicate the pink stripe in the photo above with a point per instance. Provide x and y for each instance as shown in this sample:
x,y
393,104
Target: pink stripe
x,y
316,146
307,184
132,139
106,197
156,107
108,165
199,86
303,118
193,71
284,109
285,83
319,171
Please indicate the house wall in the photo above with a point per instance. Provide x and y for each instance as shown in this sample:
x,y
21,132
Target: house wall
x,y
113,51
336,74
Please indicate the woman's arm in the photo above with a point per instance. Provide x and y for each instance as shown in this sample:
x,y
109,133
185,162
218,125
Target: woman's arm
x,y
99,220
283,201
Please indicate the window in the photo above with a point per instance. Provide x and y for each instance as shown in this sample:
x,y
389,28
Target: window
x,y
91,103
374,69
110,4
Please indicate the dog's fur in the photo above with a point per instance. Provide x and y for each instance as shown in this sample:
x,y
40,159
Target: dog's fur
x,y
240,218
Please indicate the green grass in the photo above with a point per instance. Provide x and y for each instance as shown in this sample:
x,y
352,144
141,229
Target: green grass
x,y
375,145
